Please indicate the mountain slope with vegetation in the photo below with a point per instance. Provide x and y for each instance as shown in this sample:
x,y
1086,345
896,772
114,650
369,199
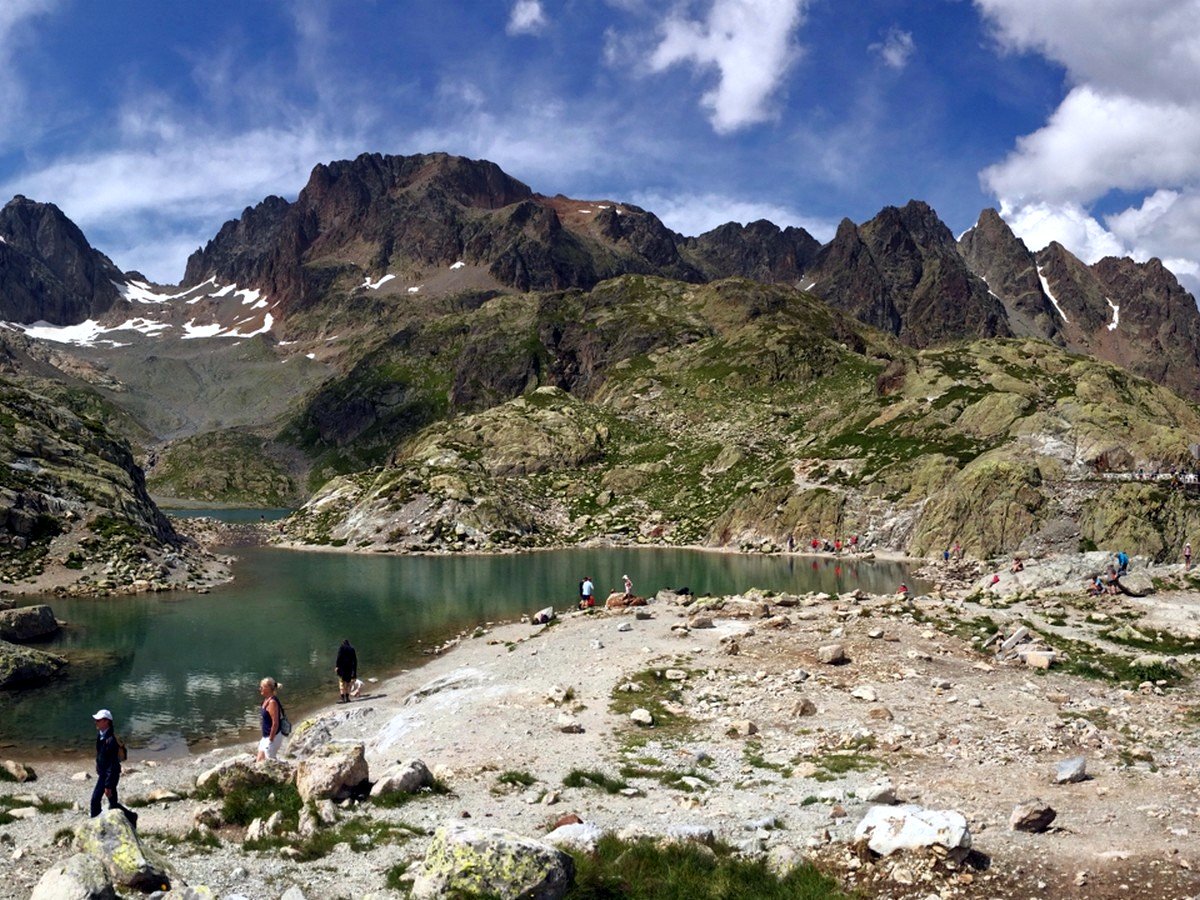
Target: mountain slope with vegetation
x,y
739,414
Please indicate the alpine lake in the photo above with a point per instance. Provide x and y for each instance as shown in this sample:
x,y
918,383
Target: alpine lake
x,y
180,670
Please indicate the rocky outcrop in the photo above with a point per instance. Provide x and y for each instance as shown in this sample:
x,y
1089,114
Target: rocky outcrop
x,y
82,877
760,250
1009,269
48,270
333,771
407,778
902,272
24,665
62,471
1133,314
888,829
473,861
381,214
29,623
242,771
131,865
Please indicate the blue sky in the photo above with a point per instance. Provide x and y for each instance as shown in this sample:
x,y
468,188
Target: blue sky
x,y
151,123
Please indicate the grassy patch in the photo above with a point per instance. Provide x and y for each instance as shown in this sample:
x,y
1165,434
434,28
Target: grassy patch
x,y
396,878
1088,661
243,805
361,834
752,753
515,777
620,870
655,695
834,765
403,798
594,778
667,777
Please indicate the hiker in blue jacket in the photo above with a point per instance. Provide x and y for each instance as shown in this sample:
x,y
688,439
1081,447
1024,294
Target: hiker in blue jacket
x,y
108,766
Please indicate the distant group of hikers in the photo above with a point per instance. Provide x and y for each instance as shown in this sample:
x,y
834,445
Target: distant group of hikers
x,y
825,545
587,591
273,721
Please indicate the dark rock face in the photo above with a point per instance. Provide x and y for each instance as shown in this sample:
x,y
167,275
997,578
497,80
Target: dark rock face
x,y
48,270
760,250
1133,314
1158,323
1002,260
902,272
378,213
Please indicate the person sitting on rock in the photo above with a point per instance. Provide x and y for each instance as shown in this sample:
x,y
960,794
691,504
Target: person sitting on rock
x,y
902,590
1096,587
1018,565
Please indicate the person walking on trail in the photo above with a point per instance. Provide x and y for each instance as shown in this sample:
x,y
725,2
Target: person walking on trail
x,y
588,590
108,766
271,713
347,670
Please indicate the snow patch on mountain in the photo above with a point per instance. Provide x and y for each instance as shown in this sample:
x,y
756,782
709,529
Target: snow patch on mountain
x,y
458,265
1050,294
87,333
1112,326
376,285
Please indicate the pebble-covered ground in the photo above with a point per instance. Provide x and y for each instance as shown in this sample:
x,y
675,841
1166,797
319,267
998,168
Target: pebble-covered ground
x,y
753,736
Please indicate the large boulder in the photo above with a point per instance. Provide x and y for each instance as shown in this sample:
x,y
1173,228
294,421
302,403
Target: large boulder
x,y
408,778
910,827
334,771
242,771
111,839
24,665
29,623
15,771
82,877
491,862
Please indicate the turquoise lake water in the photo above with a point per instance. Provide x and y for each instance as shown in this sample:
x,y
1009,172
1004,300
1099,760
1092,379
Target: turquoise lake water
x,y
180,669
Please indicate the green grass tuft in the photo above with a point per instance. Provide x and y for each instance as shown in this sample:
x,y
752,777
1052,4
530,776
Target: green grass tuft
x,y
620,870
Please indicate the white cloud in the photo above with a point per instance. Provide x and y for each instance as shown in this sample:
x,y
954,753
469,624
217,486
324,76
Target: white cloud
x,y
750,43
1037,224
527,17
896,48
1130,122
14,16
694,214
1095,142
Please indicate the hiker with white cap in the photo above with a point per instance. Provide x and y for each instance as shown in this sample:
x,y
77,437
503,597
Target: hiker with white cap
x,y
108,766
628,586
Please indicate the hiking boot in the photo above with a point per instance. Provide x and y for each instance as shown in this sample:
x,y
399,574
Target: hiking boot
x,y
132,817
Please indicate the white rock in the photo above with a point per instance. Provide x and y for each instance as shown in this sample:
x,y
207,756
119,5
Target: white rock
x,y
641,716
891,828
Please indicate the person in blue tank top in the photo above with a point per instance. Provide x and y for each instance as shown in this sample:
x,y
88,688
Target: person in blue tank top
x,y
271,713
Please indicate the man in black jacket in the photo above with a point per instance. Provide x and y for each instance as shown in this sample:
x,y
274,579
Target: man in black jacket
x,y
108,766
347,670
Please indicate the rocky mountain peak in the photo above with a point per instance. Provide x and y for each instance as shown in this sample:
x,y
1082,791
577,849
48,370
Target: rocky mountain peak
x,y
1001,259
48,270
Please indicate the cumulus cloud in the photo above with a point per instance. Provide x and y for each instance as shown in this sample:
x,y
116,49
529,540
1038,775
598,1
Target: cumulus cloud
x,y
1130,122
750,43
527,17
896,48
14,16
694,214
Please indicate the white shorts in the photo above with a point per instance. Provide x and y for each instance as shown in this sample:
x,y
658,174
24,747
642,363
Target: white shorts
x,y
270,746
